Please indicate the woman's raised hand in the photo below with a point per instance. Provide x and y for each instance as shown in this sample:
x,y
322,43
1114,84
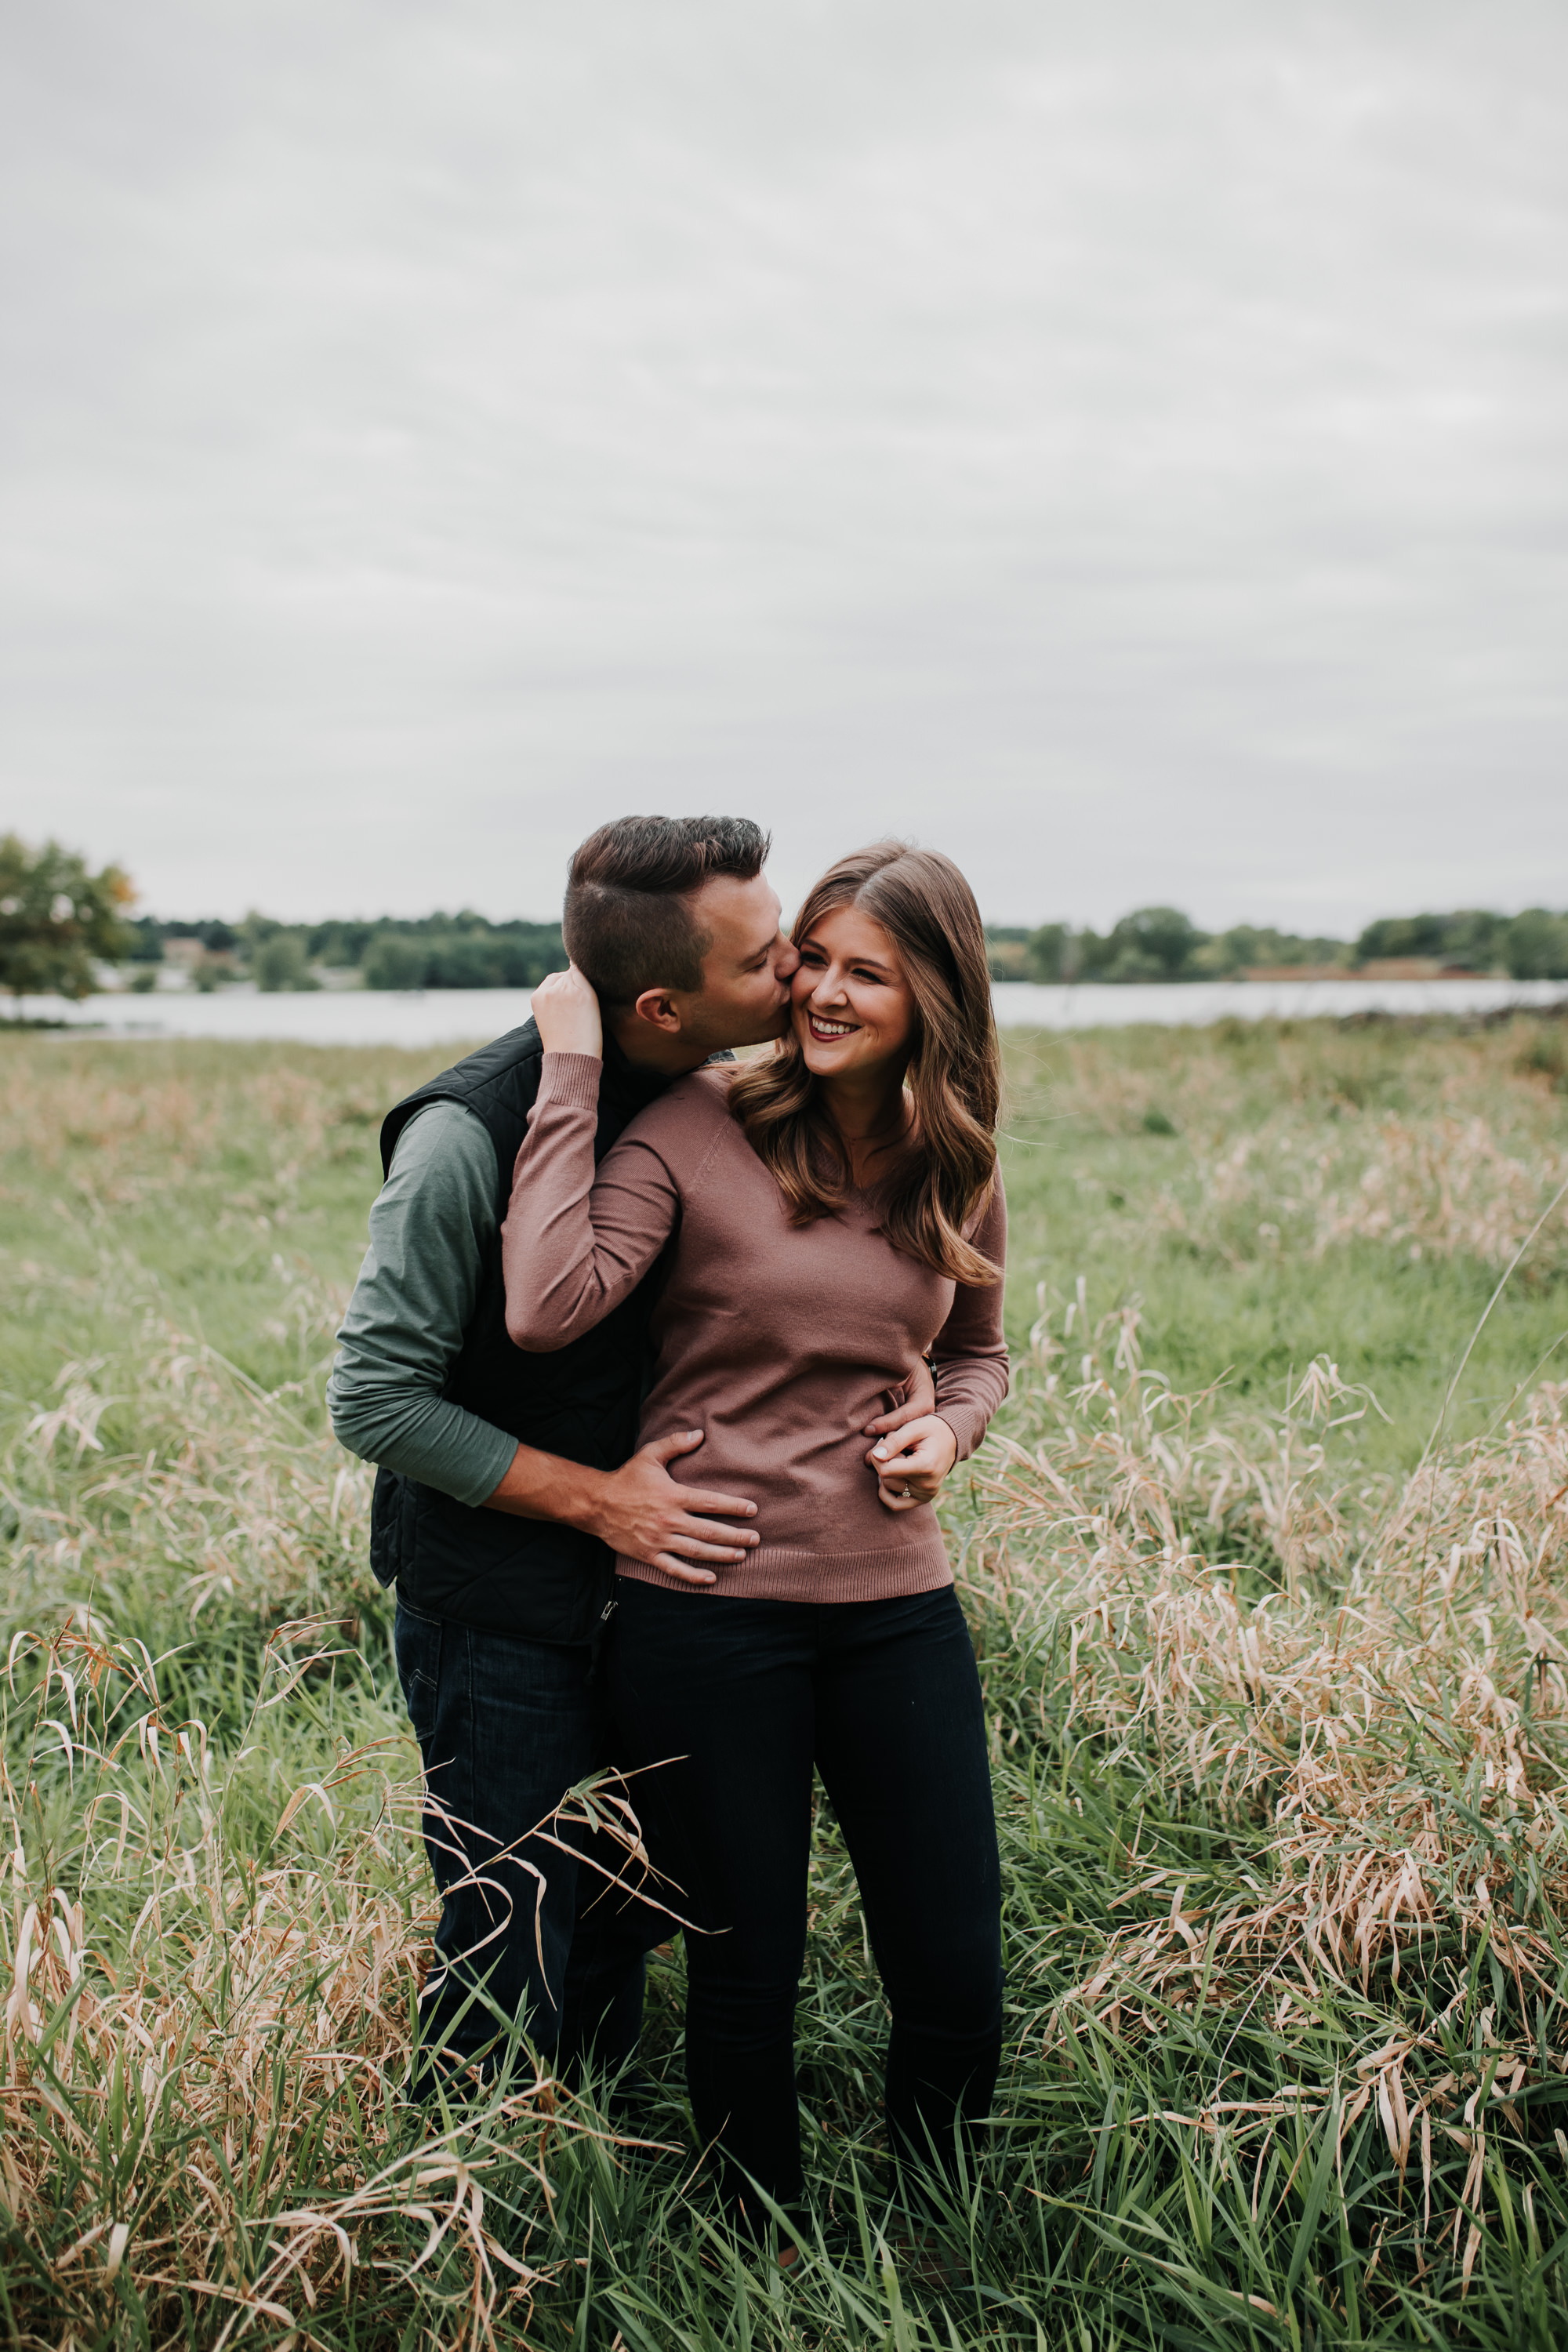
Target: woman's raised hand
x,y
911,1464
567,1012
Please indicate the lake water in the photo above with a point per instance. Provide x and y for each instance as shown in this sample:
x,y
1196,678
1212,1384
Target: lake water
x,y
453,1016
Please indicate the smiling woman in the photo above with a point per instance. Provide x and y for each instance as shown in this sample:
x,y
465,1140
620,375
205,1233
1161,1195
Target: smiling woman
x,y
853,1007
892,1068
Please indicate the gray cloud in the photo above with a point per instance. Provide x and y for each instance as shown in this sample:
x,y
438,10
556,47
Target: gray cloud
x,y
1124,447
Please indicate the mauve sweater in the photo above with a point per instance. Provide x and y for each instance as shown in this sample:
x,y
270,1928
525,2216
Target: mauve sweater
x,y
779,1341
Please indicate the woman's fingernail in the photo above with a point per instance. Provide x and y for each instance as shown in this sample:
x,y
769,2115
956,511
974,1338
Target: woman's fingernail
x,y
881,1449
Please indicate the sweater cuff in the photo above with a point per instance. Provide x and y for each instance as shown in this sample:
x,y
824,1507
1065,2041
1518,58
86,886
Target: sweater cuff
x,y
571,1081
967,1425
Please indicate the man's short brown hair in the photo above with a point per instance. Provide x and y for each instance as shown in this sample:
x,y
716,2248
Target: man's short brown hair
x,y
628,920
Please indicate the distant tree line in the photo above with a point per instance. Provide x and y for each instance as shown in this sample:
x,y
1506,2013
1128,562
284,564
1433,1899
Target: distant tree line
x,y
1160,943
461,950
1152,943
60,923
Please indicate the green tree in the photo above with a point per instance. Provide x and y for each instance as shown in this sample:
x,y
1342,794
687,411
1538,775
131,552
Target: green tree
x,y
1051,953
1473,938
1230,951
1247,944
1151,943
279,962
393,963
1400,935
58,920
1535,945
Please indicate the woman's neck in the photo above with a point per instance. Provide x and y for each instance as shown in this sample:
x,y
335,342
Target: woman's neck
x,y
868,1109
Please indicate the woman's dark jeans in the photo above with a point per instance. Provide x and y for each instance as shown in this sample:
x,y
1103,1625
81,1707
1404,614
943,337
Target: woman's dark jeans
x,y
883,1697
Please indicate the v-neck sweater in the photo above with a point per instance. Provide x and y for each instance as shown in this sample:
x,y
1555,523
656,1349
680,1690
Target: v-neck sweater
x,y
778,1341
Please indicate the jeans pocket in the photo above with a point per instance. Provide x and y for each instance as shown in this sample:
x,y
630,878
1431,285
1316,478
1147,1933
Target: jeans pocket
x,y
416,1643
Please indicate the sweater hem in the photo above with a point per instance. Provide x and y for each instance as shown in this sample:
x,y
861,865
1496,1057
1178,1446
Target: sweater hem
x,y
812,1577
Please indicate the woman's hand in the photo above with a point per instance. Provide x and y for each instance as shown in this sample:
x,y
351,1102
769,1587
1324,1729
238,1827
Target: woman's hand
x,y
920,1399
911,1464
567,1012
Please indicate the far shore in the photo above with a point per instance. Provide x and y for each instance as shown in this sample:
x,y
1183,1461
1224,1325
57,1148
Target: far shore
x,y
355,1016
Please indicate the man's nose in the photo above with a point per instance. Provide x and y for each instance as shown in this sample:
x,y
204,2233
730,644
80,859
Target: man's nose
x,y
786,962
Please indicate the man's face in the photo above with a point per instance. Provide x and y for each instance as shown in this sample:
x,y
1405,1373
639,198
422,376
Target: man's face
x,y
745,996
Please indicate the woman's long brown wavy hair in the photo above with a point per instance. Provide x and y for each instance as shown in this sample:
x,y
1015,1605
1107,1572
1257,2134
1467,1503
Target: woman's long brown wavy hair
x,y
935,1186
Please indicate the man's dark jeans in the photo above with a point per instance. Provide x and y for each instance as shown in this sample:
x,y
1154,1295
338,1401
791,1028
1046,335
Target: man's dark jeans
x,y
742,1698
527,1932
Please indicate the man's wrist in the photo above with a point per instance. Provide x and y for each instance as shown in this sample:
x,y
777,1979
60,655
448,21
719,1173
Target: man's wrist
x,y
547,1486
593,1503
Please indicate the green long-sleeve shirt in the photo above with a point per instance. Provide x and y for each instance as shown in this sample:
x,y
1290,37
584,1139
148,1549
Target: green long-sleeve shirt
x,y
430,1226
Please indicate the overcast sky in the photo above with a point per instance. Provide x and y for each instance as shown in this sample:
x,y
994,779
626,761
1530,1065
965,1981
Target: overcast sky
x,y
1122,446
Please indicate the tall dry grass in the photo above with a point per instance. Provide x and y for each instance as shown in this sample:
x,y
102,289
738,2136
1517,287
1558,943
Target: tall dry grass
x,y
1279,1750
1370,1679
1444,1186
216,1913
1304,1138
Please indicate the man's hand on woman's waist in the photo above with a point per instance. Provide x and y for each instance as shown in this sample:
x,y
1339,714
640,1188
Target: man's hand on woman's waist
x,y
638,1510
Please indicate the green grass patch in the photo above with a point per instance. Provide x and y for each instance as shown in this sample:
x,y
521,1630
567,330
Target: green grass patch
x,y
1278,1722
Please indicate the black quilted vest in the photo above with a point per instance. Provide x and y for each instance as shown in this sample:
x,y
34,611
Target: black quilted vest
x,y
522,1577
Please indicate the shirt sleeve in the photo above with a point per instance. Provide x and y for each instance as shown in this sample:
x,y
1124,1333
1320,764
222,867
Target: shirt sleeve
x,y
969,1354
573,1245
430,1226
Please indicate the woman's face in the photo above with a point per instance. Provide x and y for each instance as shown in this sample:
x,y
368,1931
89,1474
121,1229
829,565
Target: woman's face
x,y
851,1007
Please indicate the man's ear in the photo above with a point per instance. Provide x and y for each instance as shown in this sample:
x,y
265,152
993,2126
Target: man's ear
x,y
657,1007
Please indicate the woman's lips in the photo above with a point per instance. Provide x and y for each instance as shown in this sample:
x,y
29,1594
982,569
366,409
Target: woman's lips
x,y
830,1033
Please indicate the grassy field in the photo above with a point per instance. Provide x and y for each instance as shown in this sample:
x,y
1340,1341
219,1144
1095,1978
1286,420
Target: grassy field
x,y
1270,1613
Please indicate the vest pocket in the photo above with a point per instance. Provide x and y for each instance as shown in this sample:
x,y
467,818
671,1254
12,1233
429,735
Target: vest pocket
x,y
387,1504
